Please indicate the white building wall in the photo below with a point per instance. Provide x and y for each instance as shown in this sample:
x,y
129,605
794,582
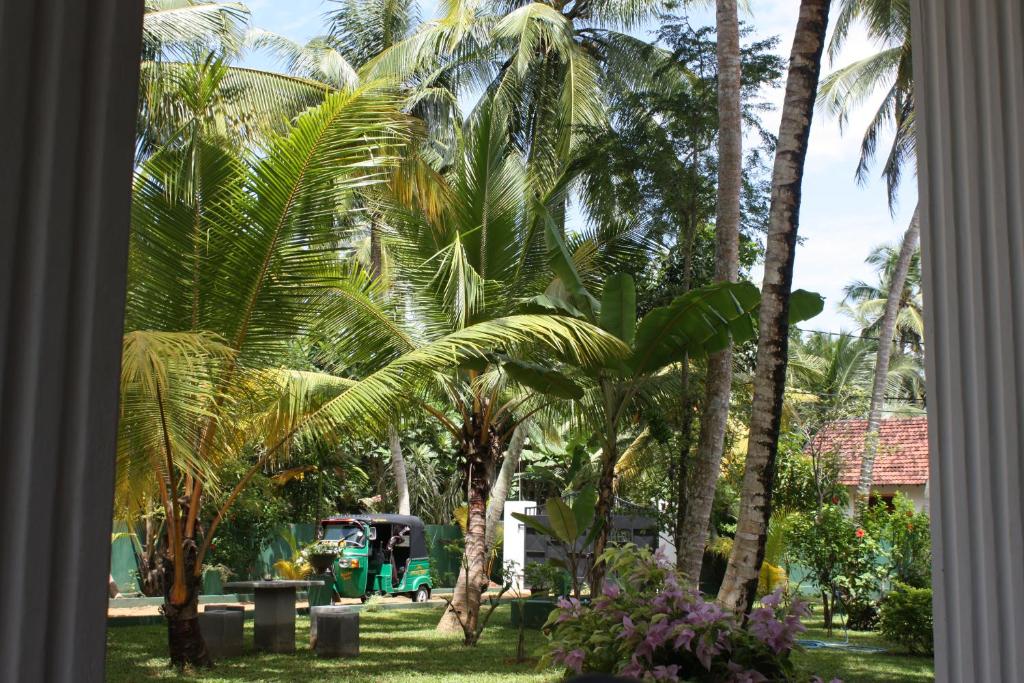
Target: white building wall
x,y
514,538
917,494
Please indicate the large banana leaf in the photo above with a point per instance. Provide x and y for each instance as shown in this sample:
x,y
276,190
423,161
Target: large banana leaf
x,y
583,506
804,305
618,307
563,521
697,323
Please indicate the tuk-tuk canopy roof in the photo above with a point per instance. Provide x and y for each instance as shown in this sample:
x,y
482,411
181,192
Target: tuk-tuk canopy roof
x,y
417,542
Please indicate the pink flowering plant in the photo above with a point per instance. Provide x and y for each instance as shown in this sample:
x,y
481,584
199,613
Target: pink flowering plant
x,y
646,627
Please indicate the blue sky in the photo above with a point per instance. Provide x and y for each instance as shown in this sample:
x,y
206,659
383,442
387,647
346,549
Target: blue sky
x,y
839,220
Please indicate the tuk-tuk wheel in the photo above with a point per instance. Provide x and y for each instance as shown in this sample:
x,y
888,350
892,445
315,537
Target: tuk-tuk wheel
x,y
422,594
363,598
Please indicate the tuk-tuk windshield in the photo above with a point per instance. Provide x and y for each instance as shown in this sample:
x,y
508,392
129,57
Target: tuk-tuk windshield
x,y
352,534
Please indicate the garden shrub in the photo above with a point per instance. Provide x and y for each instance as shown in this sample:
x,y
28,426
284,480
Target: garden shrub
x,y
646,627
845,561
906,618
906,534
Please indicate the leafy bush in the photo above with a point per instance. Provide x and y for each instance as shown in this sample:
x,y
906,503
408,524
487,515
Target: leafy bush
x,y
845,560
645,626
906,618
906,533
544,577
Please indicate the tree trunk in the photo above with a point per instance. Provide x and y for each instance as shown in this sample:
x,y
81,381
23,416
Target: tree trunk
x,y
496,504
603,512
826,611
499,492
376,252
683,465
185,642
703,474
464,612
885,336
398,469
740,584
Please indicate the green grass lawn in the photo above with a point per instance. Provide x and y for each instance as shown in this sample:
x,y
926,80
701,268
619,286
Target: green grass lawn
x,y
860,667
401,647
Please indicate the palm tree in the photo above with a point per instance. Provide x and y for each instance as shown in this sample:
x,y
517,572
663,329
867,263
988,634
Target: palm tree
x,y
237,270
189,84
740,583
865,302
888,22
464,268
696,490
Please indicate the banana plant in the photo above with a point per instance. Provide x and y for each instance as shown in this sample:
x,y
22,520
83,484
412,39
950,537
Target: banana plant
x,y
567,524
692,326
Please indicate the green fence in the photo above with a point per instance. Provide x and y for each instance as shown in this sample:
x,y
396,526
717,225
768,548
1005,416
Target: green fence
x,y
123,566
445,563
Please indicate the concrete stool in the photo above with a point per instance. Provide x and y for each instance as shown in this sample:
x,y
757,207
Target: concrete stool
x,y
324,609
224,608
222,631
337,634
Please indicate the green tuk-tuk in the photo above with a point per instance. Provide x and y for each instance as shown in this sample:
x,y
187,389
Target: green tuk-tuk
x,y
378,555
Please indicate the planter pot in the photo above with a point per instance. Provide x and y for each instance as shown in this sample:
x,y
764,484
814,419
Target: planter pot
x,y
321,562
321,595
532,613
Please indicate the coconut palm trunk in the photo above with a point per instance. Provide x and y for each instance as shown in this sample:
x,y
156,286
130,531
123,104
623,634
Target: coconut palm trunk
x,y
398,470
885,336
184,639
495,506
481,450
740,583
603,509
499,492
703,471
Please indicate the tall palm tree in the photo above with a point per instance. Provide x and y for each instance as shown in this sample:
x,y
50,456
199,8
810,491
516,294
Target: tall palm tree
x,y
359,32
740,584
865,302
469,267
190,84
888,21
697,489
241,263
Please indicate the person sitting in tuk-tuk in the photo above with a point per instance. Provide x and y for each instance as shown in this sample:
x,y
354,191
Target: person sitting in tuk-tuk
x,y
398,540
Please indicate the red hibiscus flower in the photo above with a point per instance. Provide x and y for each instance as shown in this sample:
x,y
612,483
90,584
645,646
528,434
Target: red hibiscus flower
x,y
859,533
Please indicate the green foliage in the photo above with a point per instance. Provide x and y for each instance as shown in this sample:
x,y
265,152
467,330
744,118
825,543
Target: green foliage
x,y
255,520
906,534
645,626
618,307
905,618
845,561
799,481
566,524
544,577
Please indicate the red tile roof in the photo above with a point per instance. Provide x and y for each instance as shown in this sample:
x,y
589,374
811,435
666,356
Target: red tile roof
x,y
902,450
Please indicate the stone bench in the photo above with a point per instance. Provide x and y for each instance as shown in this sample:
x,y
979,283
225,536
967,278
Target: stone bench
x,y
223,632
334,632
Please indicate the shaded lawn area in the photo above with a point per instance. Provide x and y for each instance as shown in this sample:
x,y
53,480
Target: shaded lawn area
x,y
397,646
860,667
402,647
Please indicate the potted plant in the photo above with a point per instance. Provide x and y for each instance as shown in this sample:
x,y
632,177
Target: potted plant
x,y
542,578
321,555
